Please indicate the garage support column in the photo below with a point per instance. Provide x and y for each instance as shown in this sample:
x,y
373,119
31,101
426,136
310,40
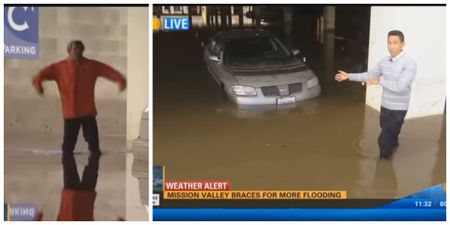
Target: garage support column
x,y
257,18
137,68
190,14
210,16
229,17
223,16
137,98
206,15
288,25
216,16
328,45
241,15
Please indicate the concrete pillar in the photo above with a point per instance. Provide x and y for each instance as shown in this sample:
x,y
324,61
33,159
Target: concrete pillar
x,y
157,11
208,16
288,25
229,16
241,15
425,40
328,44
216,17
137,99
257,18
223,16
189,11
137,61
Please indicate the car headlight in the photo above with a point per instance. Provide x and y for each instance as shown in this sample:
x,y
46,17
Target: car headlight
x,y
312,82
243,90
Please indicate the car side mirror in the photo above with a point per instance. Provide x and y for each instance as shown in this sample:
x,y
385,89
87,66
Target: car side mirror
x,y
296,52
214,58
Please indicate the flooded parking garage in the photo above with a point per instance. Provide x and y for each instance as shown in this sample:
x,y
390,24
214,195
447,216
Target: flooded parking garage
x,y
329,142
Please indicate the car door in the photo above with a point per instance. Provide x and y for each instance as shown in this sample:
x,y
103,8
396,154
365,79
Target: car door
x,y
213,49
217,68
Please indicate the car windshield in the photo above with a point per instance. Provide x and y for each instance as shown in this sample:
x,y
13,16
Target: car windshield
x,y
254,49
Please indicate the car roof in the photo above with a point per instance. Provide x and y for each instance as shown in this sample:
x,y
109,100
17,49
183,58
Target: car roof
x,y
242,33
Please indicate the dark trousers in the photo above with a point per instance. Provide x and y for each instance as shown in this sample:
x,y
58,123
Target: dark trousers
x,y
391,122
90,133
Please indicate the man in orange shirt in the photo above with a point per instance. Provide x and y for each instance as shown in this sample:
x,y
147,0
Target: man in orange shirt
x,y
76,77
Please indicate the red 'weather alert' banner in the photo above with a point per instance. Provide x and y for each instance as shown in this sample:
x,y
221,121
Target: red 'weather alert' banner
x,y
202,185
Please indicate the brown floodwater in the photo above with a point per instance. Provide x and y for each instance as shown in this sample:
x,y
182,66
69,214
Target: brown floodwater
x,y
326,143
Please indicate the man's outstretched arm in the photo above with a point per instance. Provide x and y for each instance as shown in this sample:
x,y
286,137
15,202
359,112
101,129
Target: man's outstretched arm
x,y
341,76
112,74
48,73
374,73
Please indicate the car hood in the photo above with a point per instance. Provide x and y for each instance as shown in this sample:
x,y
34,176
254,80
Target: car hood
x,y
270,72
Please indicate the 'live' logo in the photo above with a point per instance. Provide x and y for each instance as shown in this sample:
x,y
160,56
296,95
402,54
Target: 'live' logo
x,y
176,23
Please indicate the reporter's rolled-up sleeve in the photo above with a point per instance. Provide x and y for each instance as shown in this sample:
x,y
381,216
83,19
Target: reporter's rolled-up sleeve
x,y
360,77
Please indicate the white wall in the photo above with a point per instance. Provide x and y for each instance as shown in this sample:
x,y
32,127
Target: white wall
x,y
137,51
137,100
425,37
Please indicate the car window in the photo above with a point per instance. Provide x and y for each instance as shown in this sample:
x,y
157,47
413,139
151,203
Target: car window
x,y
215,45
211,44
254,48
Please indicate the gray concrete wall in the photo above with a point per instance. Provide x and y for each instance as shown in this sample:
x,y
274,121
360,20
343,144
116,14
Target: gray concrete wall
x,y
104,32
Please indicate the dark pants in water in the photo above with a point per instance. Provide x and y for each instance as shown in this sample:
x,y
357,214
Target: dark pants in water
x,y
391,122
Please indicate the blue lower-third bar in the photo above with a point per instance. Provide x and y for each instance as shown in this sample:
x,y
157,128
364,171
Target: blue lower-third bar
x,y
387,214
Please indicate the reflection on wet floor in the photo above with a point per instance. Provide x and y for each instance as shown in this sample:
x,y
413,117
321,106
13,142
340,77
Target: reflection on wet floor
x,y
327,143
34,175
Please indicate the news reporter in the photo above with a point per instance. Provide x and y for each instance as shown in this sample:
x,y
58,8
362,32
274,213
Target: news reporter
x,y
395,73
